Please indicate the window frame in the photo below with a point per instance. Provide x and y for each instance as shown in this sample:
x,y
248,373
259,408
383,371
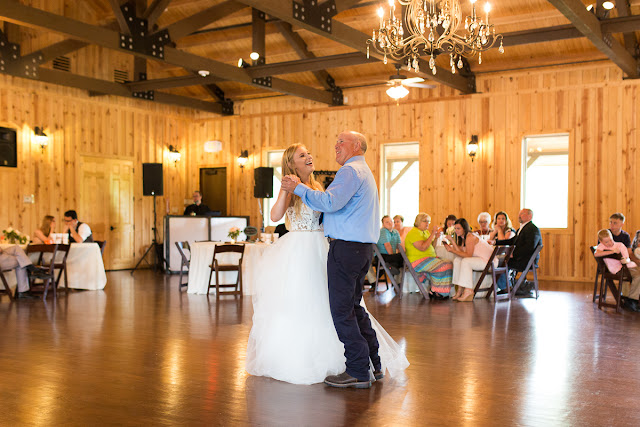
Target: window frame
x,y
383,170
570,176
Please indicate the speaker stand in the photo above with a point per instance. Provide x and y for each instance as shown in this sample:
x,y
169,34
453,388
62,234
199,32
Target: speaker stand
x,y
160,261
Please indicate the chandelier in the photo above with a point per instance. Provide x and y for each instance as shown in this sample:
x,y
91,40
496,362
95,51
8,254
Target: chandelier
x,y
433,27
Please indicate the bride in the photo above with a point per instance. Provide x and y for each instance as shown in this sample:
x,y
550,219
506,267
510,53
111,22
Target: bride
x,y
293,338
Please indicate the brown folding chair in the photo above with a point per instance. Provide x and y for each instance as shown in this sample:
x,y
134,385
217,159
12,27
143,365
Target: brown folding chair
x,y
6,289
35,283
380,262
502,253
182,246
408,267
102,244
608,281
531,265
61,264
218,267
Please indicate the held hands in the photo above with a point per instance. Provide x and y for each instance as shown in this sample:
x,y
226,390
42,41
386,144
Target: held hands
x,y
289,183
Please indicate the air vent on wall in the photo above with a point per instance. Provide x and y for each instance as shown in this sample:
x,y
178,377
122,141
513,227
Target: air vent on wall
x,y
120,76
62,63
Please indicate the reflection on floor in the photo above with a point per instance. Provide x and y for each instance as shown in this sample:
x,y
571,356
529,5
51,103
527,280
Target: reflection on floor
x,y
140,352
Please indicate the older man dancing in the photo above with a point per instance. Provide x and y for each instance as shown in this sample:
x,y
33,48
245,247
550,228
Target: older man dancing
x,y
351,217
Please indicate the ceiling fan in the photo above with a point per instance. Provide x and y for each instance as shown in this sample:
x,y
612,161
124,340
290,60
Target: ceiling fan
x,y
397,83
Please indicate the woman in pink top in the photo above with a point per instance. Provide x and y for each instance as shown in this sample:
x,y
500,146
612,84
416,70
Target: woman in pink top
x,y
608,247
472,253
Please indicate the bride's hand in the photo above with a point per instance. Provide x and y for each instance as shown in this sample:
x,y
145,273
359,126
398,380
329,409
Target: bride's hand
x,y
289,183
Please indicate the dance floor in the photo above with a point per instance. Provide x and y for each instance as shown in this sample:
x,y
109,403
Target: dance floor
x,y
141,353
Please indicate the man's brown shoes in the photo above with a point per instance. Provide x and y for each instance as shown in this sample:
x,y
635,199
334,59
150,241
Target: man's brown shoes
x,y
345,380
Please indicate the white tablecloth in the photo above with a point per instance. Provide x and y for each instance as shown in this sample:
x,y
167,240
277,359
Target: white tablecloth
x,y
202,255
84,266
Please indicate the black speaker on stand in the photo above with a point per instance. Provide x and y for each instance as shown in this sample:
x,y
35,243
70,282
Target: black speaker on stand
x,y
152,186
263,188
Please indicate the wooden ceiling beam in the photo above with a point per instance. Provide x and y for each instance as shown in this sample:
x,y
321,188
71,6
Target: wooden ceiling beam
x,y
154,11
172,82
357,40
186,26
625,25
591,28
303,52
122,21
55,50
302,65
15,12
105,87
630,39
312,64
258,42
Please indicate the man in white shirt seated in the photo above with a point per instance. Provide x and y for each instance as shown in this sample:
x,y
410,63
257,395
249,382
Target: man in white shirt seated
x,y
79,232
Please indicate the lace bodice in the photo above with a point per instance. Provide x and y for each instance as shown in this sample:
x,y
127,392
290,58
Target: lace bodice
x,y
306,220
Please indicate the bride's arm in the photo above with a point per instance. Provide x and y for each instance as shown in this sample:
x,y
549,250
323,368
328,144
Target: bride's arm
x,y
280,206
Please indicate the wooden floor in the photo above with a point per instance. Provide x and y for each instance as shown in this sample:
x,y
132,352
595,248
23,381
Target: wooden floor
x,y
140,352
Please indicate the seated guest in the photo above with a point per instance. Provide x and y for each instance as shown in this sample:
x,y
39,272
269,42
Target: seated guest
x,y
635,246
502,228
526,240
388,243
398,224
14,257
422,255
197,208
281,229
449,223
44,234
79,232
484,220
608,246
472,253
616,221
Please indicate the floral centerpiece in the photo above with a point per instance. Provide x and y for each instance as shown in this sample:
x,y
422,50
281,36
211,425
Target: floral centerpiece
x,y
234,232
14,236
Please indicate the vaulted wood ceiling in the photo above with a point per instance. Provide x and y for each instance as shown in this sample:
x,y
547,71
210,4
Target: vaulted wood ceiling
x,y
300,59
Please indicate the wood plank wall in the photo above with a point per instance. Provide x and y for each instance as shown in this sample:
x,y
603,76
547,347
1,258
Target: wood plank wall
x,y
79,125
592,102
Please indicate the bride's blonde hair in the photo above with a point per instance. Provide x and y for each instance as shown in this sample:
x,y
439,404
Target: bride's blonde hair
x,y
289,169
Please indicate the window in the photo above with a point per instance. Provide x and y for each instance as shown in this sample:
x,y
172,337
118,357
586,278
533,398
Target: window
x,y
274,160
545,183
400,187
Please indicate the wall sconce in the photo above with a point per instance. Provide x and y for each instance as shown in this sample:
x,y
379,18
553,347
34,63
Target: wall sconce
x,y
41,138
243,158
212,146
472,147
174,155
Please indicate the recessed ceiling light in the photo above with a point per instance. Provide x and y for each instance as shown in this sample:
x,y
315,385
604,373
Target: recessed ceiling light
x,y
254,55
204,73
608,5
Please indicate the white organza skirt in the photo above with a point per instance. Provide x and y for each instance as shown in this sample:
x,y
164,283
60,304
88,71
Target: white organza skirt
x,y
293,338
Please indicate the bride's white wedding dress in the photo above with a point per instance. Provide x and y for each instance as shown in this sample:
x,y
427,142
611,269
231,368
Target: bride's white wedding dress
x,y
293,338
